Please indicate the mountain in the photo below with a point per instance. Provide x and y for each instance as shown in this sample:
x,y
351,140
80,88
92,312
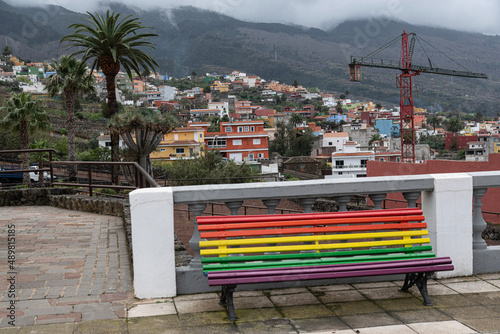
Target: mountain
x,y
191,39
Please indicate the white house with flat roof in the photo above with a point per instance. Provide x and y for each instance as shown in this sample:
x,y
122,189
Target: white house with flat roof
x,y
351,161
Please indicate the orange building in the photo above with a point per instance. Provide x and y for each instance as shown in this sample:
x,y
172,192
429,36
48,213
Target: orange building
x,y
238,141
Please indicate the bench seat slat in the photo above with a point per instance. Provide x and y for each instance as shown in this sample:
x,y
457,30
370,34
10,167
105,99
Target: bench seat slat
x,y
227,251
304,222
312,238
329,268
326,229
309,216
322,261
343,274
348,253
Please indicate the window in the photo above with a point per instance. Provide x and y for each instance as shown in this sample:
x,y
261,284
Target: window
x,y
339,164
213,143
363,163
246,128
381,159
256,141
240,129
176,136
108,144
201,135
252,128
236,142
162,149
229,129
398,159
330,143
179,150
250,157
340,173
260,155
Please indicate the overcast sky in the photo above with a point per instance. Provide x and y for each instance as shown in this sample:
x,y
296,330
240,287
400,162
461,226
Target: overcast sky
x,y
481,16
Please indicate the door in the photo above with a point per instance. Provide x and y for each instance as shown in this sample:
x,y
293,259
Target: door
x,y
236,156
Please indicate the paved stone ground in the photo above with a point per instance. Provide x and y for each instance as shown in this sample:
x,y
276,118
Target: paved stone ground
x,y
70,266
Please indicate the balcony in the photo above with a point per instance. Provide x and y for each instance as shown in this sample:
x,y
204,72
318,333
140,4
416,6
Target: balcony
x,y
451,204
350,167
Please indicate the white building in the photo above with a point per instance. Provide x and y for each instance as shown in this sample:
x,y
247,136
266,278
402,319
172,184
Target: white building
x,y
335,139
223,107
351,162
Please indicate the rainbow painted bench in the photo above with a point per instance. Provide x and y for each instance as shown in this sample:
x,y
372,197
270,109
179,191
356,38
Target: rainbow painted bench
x,y
311,246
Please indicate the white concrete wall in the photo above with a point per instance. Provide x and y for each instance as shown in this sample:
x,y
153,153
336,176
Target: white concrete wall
x,y
152,213
448,213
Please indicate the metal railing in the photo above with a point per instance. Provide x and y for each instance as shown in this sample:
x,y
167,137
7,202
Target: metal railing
x,y
141,178
134,174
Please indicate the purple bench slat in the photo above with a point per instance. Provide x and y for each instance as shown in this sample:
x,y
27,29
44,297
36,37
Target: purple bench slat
x,y
341,274
327,268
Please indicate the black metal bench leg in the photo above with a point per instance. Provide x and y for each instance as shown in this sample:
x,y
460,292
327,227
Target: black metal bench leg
x,y
420,280
422,287
226,299
409,281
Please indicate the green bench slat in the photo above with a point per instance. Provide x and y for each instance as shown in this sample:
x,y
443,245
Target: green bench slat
x,y
217,259
300,263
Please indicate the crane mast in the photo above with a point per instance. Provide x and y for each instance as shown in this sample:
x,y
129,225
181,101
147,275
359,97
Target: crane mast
x,y
404,82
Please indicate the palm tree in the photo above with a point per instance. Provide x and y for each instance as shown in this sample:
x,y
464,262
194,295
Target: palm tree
x,y
110,42
297,119
374,138
24,116
71,78
142,131
434,121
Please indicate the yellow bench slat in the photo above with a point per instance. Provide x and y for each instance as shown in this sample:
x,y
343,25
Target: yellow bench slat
x,y
311,238
290,248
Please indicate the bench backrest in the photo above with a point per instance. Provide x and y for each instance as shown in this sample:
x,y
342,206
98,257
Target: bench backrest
x,y
266,241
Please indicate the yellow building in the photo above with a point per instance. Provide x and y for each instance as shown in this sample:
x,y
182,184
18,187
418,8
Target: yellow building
x,y
496,148
220,86
182,143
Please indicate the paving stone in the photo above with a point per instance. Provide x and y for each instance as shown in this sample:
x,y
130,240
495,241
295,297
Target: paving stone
x,y
355,307
470,312
341,296
147,310
198,296
95,311
317,325
373,319
213,329
204,318
257,314
48,310
473,287
385,293
294,299
442,327
275,325
252,302
101,327
155,324
306,311
415,316
194,306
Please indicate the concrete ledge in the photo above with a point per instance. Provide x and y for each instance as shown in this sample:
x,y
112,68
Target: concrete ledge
x,y
486,260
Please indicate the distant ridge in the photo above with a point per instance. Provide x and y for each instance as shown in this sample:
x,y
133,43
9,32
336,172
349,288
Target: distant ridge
x,y
193,39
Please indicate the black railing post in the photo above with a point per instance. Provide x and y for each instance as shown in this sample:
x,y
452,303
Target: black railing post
x,y
90,179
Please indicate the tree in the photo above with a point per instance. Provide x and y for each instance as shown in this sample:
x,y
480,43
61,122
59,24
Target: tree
x,y
111,42
295,83
296,119
378,106
24,116
6,51
434,121
289,143
347,93
478,117
454,125
374,138
71,78
142,131
207,169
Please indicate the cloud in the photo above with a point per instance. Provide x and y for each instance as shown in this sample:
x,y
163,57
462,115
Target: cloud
x,y
473,16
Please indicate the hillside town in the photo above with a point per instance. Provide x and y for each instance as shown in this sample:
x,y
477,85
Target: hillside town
x,y
238,115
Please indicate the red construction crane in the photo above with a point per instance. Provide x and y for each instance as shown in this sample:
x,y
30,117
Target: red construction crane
x,y
404,81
